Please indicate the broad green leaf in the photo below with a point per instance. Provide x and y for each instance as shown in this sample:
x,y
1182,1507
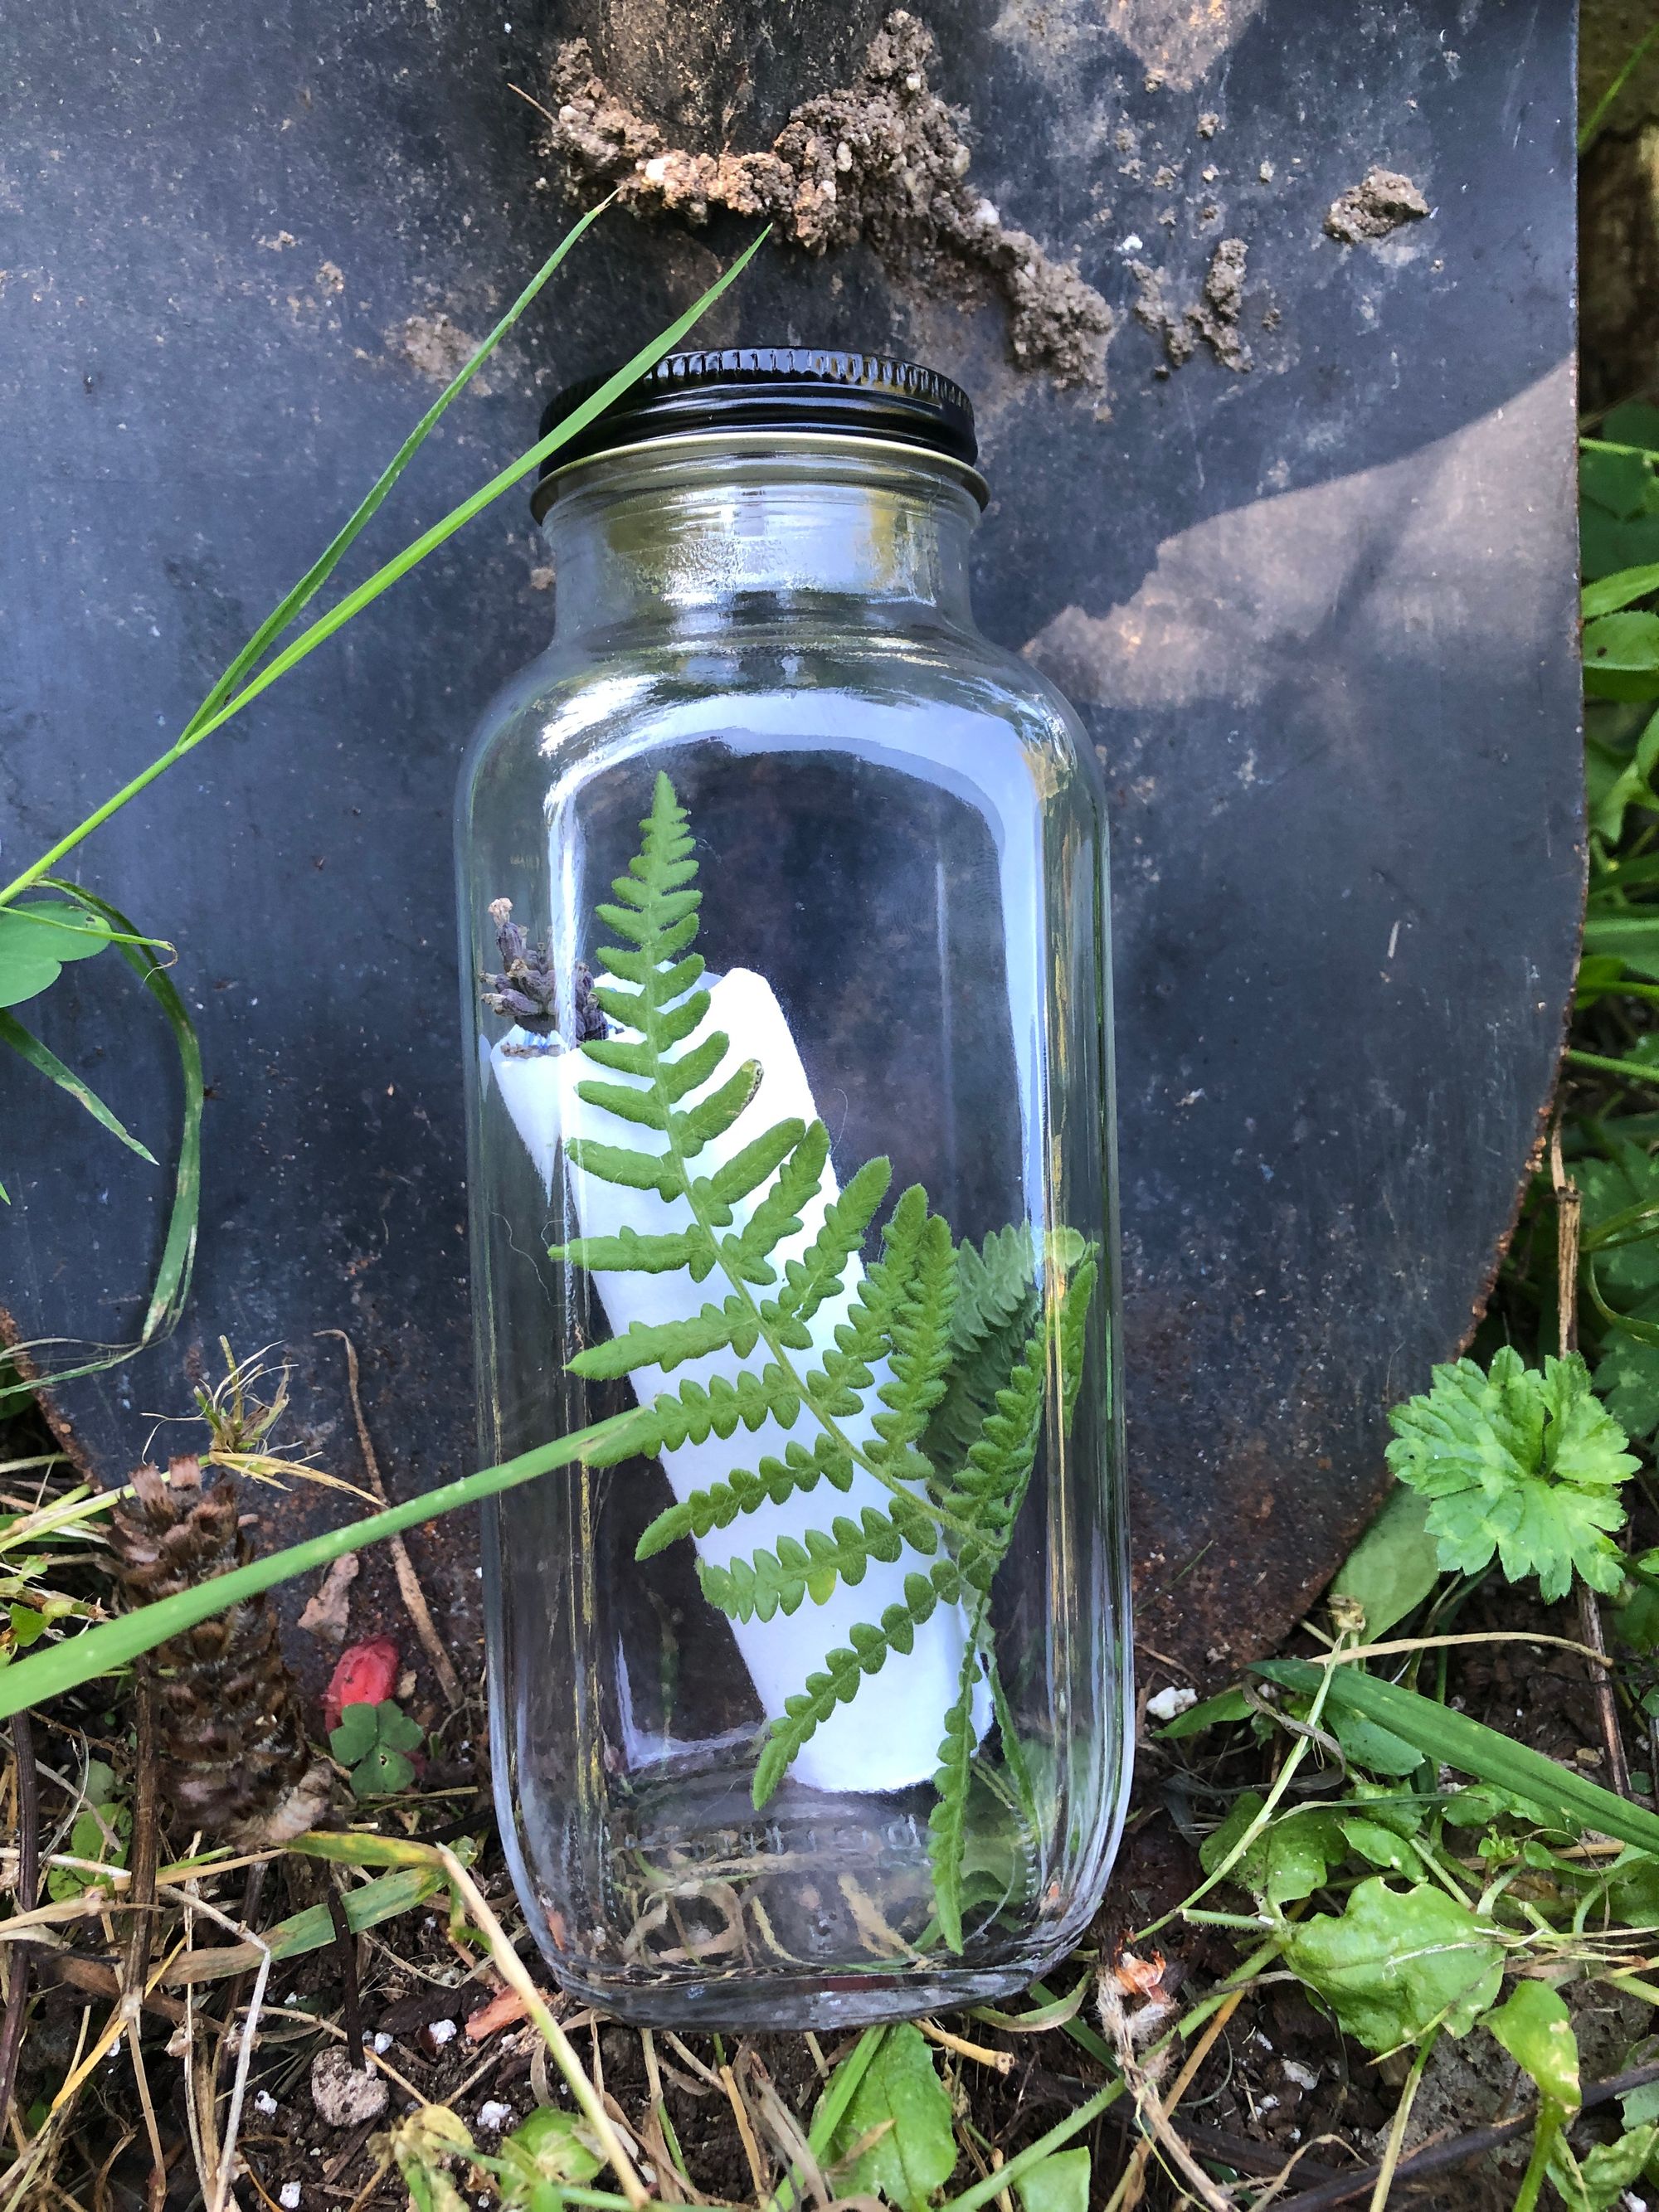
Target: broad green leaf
x,y
1622,589
1382,1846
1376,1749
1598,2181
1536,2028
1562,1798
550,2146
1520,1462
1395,1564
1287,1862
1213,1712
1397,1963
902,2094
1618,483
1059,2182
1621,657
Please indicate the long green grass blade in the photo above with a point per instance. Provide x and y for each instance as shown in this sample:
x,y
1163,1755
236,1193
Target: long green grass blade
x,y
1565,1799
203,725
45,1061
49,1672
172,1272
321,569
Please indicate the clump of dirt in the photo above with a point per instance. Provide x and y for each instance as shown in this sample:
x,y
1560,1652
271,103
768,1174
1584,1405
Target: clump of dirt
x,y
1381,203
1213,317
883,160
437,348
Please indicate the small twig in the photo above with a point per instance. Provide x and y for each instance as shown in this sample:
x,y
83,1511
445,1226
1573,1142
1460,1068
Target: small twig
x,y
141,1896
981,2053
1390,2167
1445,2157
512,1971
409,1583
1569,1210
1134,2176
28,1884
745,2130
346,1952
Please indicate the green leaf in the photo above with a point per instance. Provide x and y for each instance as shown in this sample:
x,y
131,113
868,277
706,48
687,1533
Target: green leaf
x,y
1598,2181
1059,2182
1395,1963
357,1735
396,1730
170,1285
382,1773
1213,1712
1519,1463
46,1062
550,2146
1287,1862
1563,1797
1395,1564
1621,589
1621,657
1377,1749
1536,2028
901,2096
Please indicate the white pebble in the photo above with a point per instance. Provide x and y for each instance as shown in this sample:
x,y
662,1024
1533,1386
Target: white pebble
x,y
382,2043
263,2102
986,214
1132,243
1266,2103
441,2032
1168,1703
494,2116
289,2197
1304,2076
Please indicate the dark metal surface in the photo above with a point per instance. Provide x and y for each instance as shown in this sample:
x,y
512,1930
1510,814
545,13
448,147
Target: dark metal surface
x,y
1319,615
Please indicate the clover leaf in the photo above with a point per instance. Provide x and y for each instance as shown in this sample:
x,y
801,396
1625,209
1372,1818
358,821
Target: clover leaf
x,y
373,1741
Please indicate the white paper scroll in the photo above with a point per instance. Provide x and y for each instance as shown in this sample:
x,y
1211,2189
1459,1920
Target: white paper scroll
x,y
889,1736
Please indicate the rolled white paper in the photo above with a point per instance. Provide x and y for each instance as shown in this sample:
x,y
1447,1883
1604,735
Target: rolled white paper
x,y
888,1738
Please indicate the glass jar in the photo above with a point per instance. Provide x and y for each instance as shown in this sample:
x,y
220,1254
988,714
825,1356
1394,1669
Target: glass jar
x,y
783,935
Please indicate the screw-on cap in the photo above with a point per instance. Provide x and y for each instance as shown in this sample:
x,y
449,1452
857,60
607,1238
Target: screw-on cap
x,y
858,395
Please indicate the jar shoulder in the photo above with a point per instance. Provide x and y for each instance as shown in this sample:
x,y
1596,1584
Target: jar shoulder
x,y
573,704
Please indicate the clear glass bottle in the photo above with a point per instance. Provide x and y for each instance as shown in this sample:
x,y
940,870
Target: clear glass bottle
x,y
796,1143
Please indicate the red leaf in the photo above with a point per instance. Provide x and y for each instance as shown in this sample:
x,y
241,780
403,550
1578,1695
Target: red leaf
x,y
366,1675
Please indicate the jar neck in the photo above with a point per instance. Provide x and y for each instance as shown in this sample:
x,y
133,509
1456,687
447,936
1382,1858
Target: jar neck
x,y
698,534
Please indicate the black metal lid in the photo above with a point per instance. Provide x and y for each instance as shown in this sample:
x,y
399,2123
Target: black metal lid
x,y
860,395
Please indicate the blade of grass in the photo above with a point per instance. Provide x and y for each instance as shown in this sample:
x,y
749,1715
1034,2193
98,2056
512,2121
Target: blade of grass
x,y
1598,114
172,1284
48,1672
837,2098
46,1062
1565,1800
205,722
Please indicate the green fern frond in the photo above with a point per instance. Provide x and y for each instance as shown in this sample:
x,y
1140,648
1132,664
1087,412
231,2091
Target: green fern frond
x,y
996,1305
964,1354
772,1482
669,1344
781,1581
947,1824
918,1331
867,1653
